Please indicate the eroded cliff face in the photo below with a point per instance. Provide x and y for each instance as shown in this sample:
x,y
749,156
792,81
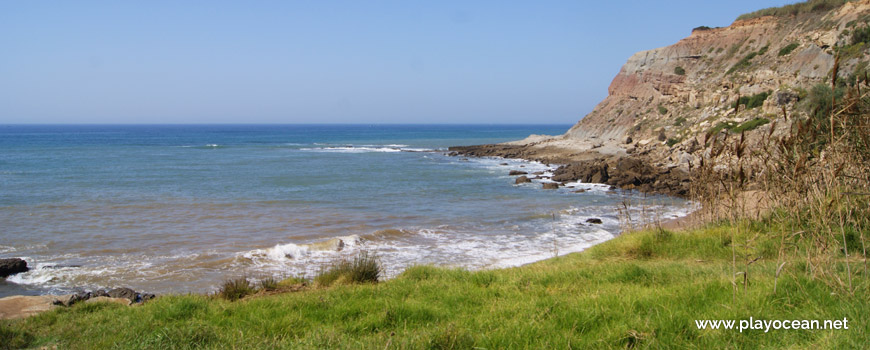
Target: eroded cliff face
x,y
666,99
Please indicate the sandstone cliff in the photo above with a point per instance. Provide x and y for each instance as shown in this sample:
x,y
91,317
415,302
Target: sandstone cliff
x,y
663,101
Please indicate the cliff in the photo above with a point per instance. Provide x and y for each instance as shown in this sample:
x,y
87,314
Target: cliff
x,y
663,101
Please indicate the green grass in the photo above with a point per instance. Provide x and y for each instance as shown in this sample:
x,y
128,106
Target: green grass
x,y
364,268
640,290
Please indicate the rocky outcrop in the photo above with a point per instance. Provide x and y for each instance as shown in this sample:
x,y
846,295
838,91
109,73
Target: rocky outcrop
x,y
12,266
19,306
627,173
522,180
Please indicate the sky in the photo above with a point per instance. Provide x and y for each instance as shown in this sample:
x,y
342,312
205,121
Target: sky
x,y
142,62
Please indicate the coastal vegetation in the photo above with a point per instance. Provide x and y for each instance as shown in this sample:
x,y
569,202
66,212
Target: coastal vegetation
x,y
795,9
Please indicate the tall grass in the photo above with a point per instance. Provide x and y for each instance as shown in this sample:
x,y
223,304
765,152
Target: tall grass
x,y
815,178
364,268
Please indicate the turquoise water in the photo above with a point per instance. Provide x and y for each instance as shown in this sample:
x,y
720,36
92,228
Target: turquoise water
x,y
172,209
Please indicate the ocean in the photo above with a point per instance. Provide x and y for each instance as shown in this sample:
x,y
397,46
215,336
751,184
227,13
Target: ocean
x,y
181,208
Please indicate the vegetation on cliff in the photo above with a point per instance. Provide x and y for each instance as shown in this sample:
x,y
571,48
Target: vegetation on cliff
x,y
795,9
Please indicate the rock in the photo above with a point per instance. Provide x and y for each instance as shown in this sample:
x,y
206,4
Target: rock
x,y
538,173
784,97
551,186
98,293
125,293
522,180
122,301
147,296
517,172
580,191
662,136
503,164
12,266
20,306
68,300
628,140
593,221
593,171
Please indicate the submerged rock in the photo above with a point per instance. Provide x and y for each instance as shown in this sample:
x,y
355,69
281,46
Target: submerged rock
x,y
517,172
594,221
12,266
551,186
522,180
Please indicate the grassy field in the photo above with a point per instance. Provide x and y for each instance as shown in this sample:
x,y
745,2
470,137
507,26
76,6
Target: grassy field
x,y
640,290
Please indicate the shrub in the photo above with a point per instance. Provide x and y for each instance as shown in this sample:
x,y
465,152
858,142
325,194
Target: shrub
x,y
744,62
753,101
787,49
861,35
723,126
662,110
679,121
679,71
236,289
750,125
364,268
672,141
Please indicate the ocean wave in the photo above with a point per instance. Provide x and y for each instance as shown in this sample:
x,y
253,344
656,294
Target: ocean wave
x,y
365,149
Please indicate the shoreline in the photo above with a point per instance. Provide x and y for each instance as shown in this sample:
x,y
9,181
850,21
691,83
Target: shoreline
x,y
583,168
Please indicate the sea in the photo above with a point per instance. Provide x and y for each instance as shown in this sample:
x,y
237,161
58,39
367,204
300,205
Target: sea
x,y
181,208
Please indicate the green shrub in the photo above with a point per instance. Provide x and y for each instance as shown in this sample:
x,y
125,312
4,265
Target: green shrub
x,y
818,104
364,268
750,125
861,35
723,126
672,141
787,49
679,71
236,289
662,110
679,121
753,101
743,63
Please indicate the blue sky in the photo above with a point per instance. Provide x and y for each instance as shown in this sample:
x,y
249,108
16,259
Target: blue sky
x,y
328,61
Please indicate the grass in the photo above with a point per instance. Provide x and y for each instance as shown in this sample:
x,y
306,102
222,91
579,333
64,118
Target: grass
x,y
795,9
639,290
235,289
364,268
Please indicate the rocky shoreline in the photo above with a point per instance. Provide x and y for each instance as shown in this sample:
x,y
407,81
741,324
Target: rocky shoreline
x,y
18,306
627,172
